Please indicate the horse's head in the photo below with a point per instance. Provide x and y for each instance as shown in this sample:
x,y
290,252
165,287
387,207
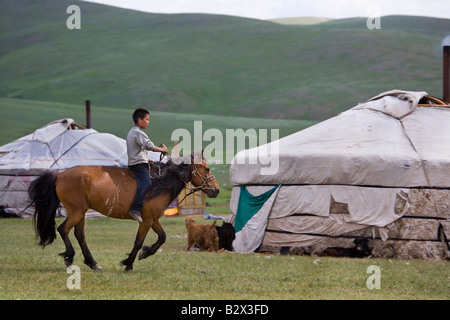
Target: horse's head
x,y
202,177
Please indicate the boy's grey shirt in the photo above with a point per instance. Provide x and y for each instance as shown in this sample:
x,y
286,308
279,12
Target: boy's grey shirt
x,y
138,144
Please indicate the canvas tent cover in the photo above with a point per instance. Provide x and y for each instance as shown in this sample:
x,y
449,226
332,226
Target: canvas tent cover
x,y
347,173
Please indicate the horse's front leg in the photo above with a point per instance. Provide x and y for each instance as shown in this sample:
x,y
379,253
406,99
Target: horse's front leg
x,y
148,251
140,237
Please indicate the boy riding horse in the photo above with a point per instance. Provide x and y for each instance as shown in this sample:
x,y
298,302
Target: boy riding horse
x,y
138,145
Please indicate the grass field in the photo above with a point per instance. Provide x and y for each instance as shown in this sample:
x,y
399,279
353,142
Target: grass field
x,y
28,272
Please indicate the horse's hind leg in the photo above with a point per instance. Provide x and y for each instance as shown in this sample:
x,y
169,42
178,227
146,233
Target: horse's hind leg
x,y
64,229
148,251
73,218
88,259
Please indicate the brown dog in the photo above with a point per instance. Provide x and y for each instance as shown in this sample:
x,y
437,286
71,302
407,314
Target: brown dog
x,y
205,235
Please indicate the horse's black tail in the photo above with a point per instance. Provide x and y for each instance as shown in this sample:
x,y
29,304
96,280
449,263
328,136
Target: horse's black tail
x,y
42,192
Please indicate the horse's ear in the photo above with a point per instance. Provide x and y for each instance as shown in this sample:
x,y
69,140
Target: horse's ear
x,y
196,158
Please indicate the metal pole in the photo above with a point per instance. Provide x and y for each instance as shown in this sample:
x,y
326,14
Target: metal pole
x,y
88,114
446,79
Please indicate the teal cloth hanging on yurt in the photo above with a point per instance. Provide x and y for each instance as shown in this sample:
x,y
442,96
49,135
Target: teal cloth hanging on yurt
x,y
249,205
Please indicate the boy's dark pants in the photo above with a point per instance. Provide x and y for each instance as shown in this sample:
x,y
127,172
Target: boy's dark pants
x,y
143,183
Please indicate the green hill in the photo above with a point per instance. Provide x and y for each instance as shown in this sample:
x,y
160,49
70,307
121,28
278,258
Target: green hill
x,y
211,64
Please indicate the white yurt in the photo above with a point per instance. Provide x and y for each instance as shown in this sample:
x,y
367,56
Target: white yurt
x,y
379,171
56,146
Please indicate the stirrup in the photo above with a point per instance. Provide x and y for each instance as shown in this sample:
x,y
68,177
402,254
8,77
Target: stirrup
x,y
136,215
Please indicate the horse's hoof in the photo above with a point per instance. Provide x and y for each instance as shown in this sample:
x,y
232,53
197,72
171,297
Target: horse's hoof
x,y
145,252
96,267
127,264
129,268
67,262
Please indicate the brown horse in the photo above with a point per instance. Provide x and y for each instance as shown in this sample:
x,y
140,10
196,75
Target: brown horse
x,y
110,191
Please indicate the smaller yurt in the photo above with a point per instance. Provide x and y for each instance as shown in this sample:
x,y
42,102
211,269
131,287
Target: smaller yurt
x,y
57,146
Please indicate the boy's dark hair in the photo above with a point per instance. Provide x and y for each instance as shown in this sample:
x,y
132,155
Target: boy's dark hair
x,y
139,114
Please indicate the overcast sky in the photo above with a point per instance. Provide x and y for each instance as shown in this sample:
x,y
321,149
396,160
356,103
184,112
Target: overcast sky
x,y
269,9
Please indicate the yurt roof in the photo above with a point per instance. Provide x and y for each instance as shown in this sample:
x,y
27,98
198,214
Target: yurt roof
x,y
389,140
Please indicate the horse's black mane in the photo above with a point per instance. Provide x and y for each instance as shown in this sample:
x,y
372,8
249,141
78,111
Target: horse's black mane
x,y
168,177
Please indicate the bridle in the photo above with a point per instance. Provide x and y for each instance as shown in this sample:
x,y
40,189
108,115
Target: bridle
x,y
195,172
